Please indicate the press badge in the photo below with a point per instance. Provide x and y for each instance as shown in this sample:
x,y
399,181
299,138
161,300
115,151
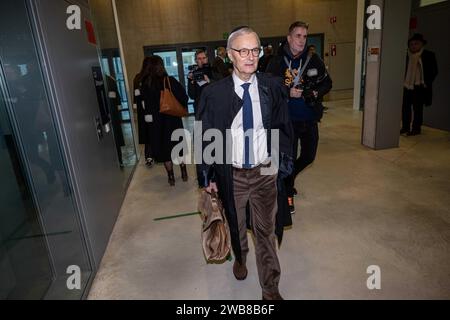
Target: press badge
x,y
312,72
137,92
112,95
148,118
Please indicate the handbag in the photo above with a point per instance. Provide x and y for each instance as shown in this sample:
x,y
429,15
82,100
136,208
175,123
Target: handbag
x,y
216,239
168,104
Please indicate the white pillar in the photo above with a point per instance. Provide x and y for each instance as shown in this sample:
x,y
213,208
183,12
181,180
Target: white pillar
x,y
385,74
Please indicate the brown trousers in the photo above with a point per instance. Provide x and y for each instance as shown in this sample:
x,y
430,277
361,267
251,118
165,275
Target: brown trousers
x,y
260,191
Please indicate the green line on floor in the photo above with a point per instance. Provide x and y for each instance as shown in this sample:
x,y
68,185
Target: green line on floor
x,y
177,216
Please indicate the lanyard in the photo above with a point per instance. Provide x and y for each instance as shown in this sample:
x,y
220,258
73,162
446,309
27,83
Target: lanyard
x,y
302,69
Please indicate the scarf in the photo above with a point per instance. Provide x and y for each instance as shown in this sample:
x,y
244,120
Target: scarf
x,y
414,73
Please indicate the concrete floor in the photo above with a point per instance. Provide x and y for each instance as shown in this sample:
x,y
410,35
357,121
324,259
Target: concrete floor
x,y
357,207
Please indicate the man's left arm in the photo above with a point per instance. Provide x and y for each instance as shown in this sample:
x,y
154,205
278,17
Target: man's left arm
x,y
324,82
281,121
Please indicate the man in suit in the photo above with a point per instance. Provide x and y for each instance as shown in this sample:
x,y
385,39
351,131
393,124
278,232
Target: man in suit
x,y
421,70
265,59
220,67
247,106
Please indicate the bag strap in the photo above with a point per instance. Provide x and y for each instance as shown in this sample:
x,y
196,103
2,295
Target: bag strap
x,y
168,80
302,69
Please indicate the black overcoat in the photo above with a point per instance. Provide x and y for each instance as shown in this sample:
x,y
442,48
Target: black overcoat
x,y
430,72
159,131
218,106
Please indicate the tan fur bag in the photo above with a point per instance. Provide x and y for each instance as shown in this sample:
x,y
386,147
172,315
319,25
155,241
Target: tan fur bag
x,y
216,240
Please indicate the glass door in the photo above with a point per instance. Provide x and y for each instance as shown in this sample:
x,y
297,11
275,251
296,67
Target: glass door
x,y
119,107
170,62
25,267
117,63
40,228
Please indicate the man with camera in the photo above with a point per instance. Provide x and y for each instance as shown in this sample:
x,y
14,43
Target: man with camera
x,y
199,77
307,80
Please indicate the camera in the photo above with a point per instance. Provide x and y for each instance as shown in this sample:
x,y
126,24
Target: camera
x,y
308,85
199,73
308,91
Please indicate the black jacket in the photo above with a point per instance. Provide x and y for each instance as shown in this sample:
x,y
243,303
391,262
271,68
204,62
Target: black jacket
x,y
315,73
159,131
430,71
220,69
219,105
195,91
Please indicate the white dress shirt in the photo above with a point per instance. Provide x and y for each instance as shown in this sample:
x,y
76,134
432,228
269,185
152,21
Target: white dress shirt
x,y
260,154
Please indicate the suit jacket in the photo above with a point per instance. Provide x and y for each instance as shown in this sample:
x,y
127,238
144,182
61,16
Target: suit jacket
x,y
430,71
218,106
220,69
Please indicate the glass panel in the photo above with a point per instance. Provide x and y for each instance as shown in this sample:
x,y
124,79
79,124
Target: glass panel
x,y
170,62
25,269
38,144
120,112
105,66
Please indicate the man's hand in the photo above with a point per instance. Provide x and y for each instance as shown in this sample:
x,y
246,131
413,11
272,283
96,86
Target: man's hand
x,y
296,93
212,187
207,78
190,76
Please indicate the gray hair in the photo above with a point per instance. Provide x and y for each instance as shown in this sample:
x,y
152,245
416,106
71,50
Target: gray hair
x,y
240,32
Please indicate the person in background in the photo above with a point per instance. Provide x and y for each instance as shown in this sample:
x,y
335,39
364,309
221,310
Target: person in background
x,y
265,59
142,112
160,125
307,81
196,86
311,50
220,66
421,70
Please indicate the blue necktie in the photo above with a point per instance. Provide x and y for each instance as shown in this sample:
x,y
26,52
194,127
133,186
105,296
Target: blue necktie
x,y
247,121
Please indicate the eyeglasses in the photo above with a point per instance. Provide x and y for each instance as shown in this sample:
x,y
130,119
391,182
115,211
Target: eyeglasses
x,y
245,52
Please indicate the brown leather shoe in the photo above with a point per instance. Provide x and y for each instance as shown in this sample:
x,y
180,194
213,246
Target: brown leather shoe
x,y
272,296
239,270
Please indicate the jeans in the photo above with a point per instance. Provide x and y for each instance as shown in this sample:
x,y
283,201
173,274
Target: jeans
x,y
308,134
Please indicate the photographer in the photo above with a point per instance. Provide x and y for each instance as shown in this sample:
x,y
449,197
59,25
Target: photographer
x,y
199,77
307,80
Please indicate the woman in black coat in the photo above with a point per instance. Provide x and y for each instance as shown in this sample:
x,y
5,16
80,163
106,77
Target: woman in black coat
x,y
143,128
161,126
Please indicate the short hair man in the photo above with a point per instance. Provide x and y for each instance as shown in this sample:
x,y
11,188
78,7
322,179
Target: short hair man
x,y
311,49
220,66
307,80
196,86
265,59
421,70
249,105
